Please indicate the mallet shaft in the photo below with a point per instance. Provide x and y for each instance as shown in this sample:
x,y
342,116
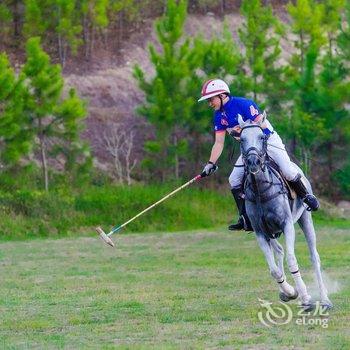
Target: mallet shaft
x,y
117,228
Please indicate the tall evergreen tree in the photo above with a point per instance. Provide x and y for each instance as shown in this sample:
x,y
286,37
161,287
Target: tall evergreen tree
x,y
95,16
68,28
5,22
14,136
333,90
299,123
260,34
53,120
36,22
343,39
54,20
167,102
10,21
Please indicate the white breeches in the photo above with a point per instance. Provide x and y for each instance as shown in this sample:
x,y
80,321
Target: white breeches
x,y
279,155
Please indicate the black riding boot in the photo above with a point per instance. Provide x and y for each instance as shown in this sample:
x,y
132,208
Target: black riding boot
x,y
309,199
243,221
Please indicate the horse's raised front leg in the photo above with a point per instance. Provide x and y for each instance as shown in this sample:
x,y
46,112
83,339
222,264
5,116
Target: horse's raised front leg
x,y
287,292
305,297
278,274
307,226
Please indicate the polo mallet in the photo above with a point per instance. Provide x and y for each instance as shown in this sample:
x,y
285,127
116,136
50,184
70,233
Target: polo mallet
x,y
106,237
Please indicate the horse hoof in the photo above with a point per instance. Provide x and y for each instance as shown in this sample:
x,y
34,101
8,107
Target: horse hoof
x,y
326,305
307,307
285,298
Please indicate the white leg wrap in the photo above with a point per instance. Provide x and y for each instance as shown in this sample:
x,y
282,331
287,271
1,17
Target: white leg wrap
x,y
293,264
301,288
286,288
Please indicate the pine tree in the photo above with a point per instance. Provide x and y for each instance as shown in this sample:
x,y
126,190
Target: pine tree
x,y
36,23
260,34
95,16
5,22
300,121
14,138
343,39
333,90
10,22
167,102
68,29
53,120
54,20
318,82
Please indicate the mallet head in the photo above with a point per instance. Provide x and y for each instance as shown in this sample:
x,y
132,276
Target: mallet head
x,y
105,238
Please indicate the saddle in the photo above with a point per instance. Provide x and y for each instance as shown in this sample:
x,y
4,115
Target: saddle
x,y
285,188
273,165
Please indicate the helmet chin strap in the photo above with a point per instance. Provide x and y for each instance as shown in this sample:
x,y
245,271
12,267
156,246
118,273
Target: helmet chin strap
x,y
221,103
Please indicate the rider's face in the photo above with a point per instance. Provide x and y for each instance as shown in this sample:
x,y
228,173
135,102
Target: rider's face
x,y
214,102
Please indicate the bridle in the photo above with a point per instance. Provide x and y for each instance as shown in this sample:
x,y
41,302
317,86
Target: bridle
x,y
261,154
261,188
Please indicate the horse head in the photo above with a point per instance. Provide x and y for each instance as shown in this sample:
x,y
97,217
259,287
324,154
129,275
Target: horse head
x,y
253,144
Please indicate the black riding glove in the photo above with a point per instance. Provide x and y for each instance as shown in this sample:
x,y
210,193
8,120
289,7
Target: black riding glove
x,y
209,169
235,133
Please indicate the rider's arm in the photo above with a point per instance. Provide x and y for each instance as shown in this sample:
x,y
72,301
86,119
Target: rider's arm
x,y
218,146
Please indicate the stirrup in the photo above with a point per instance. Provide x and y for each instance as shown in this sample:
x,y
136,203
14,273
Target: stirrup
x,y
243,224
247,225
239,226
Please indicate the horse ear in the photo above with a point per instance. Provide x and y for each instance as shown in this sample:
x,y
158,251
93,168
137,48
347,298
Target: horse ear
x,y
241,122
262,119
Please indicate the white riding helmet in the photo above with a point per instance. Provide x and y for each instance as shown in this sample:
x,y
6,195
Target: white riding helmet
x,y
212,88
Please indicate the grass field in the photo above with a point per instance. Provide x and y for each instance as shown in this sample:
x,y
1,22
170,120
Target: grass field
x,y
180,290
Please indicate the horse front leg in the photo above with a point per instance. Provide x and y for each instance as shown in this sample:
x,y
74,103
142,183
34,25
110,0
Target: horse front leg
x,y
305,297
286,290
306,224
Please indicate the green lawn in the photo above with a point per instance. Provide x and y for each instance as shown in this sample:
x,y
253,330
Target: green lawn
x,y
180,290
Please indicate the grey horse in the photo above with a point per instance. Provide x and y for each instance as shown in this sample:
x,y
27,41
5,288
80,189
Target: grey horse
x,y
272,212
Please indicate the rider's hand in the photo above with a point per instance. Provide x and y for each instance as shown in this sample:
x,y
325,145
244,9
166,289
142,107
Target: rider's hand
x,y
236,132
209,169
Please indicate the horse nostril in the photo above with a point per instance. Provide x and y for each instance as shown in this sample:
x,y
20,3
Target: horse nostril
x,y
253,162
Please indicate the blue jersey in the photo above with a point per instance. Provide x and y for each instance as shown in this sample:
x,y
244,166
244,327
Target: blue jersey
x,y
227,119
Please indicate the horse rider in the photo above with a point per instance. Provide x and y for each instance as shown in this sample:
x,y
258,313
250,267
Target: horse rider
x,y
226,110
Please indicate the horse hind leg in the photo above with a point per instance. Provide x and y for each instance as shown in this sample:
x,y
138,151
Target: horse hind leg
x,y
306,224
287,292
305,297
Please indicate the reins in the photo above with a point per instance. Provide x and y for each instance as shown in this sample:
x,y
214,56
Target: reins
x,y
261,196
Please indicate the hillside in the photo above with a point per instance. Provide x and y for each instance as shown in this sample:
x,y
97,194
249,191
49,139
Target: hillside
x,y
112,92
108,84
300,79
